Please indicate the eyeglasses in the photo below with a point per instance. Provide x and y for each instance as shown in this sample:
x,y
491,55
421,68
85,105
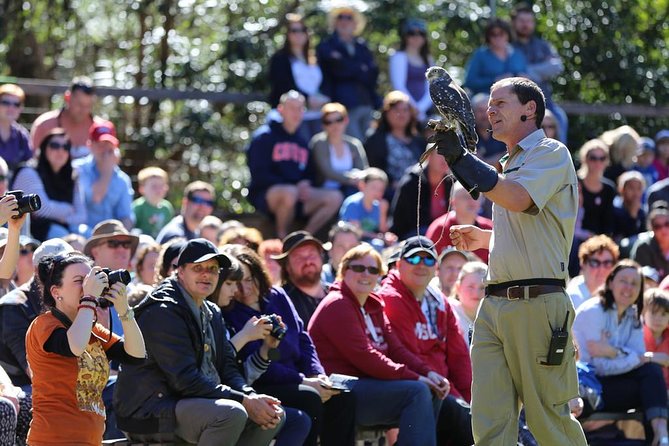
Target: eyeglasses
x,y
601,159
658,226
345,17
327,122
199,200
595,263
416,259
199,269
362,268
113,244
297,30
415,32
57,146
8,103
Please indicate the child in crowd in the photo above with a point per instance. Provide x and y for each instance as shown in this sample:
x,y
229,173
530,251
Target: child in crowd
x,y
466,295
152,210
656,327
661,162
645,157
210,228
367,209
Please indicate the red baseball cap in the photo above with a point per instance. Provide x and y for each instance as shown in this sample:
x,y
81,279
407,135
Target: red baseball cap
x,y
103,131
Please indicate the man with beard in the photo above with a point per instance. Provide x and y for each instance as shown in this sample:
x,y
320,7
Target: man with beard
x,y
301,263
198,202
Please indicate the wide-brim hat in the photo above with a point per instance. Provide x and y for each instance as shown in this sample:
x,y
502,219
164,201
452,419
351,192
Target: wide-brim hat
x,y
360,20
295,240
108,229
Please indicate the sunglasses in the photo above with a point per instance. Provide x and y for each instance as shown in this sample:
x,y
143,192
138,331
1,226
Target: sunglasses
x,y
345,17
297,30
594,263
327,122
658,226
8,103
198,200
113,244
25,251
80,86
3,178
57,146
415,32
362,268
416,259
601,159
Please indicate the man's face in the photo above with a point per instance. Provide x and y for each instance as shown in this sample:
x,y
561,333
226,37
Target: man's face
x,y
105,153
304,265
340,246
199,279
660,225
198,205
416,276
480,110
448,271
345,24
524,24
292,112
10,107
80,105
113,253
504,112
632,191
464,204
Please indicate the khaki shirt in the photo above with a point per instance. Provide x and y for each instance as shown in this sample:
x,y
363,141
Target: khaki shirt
x,y
536,243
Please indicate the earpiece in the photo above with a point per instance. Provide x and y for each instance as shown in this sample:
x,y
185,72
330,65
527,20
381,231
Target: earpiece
x,y
523,118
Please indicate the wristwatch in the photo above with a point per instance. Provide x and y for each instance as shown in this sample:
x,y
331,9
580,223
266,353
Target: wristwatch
x,y
128,316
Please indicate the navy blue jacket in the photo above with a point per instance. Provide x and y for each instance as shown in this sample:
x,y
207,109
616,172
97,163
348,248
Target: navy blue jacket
x,y
146,394
298,354
277,157
350,80
281,77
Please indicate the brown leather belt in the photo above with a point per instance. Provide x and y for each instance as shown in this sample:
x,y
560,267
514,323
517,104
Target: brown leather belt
x,y
525,289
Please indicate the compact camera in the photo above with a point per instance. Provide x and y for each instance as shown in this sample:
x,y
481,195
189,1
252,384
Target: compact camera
x,y
278,331
26,203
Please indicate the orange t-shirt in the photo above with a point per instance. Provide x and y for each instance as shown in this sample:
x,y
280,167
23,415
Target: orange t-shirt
x,y
67,391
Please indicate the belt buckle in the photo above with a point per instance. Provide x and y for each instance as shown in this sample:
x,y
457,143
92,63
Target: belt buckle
x,y
507,292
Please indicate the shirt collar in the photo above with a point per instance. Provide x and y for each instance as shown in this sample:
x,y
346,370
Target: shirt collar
x,y
532,139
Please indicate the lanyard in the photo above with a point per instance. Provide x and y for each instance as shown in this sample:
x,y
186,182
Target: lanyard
x,y
370,326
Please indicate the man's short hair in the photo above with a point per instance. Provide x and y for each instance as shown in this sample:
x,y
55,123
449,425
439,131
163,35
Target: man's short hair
x,y
197,186
292,95
526,91
373,173
595,244
14,90
83,84
151,172
521,8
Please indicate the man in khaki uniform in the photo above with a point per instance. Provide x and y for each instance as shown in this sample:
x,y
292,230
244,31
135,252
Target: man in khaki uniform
x,y
535,204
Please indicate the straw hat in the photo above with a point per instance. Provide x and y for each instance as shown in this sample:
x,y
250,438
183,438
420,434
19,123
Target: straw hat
x,y
106,230
360,20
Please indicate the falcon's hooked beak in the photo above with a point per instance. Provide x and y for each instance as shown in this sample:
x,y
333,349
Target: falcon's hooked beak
x,y
434,73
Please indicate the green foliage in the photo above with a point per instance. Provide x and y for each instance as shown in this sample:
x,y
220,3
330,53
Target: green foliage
x,y
615,51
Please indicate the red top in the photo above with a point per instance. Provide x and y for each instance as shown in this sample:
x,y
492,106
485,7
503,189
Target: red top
x,y
345,344
660,347
445,352
434,231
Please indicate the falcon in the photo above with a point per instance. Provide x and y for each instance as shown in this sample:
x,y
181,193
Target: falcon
x,y
453,105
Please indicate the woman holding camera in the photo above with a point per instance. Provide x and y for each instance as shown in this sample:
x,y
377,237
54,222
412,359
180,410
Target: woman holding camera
x,y
69,352
52,178
295,375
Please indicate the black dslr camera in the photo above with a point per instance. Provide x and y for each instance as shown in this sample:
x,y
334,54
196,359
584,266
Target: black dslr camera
x,y
278,331
26,203
120,275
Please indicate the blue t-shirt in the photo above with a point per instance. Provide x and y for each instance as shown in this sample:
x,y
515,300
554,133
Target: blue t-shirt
x,y
353,210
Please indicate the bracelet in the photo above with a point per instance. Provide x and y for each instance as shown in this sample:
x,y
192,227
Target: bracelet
x,y
128,316
89,298
86,307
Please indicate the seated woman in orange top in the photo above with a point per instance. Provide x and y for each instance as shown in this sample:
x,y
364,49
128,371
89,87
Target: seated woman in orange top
x,y
69,353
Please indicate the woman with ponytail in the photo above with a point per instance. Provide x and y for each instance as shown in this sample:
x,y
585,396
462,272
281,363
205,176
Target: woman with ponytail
x,y
69,353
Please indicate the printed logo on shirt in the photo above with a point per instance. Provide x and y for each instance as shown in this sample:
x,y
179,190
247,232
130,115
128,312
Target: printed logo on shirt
x,y
289,151
423,332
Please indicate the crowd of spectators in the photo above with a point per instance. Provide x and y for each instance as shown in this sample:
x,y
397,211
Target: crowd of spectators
x,y
223,334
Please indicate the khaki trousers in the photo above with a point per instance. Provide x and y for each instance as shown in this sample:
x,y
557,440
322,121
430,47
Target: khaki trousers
x,y
510,340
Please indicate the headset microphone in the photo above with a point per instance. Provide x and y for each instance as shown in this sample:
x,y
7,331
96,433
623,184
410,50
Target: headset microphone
x,y
488,130
523,118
